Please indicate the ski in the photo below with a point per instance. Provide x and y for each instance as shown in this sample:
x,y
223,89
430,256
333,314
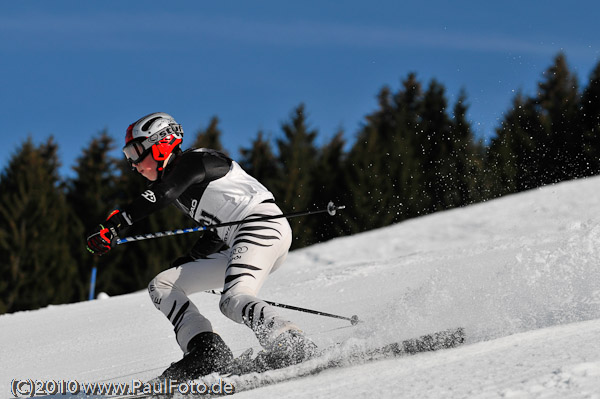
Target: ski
x,y
345,354
350,354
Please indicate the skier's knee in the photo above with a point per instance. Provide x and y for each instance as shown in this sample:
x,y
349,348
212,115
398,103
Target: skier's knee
x,y
159,285
154,294
163,280
151,287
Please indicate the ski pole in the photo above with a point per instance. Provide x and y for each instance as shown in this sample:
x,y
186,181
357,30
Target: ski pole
x,y
93,283
353,319
331,209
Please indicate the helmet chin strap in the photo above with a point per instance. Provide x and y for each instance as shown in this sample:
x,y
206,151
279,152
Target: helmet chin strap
x,y
164,165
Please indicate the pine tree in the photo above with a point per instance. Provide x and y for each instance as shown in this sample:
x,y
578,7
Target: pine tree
x,y
210,137
369,169
329,184
590,119
387,163
36,266
467,156
436,143
513,162
296,157
411,158
409,166
260,162
542,139
561,144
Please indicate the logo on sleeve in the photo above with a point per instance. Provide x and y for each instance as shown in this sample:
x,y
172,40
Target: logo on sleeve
x,y
149,195
193,208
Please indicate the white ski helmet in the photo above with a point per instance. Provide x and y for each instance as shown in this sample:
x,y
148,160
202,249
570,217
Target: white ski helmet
x,y
158,133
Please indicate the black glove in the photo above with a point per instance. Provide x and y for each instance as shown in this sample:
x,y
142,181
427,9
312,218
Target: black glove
x,y
208,244
104,237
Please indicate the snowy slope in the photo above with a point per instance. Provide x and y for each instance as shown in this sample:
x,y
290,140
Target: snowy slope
x,y
521,274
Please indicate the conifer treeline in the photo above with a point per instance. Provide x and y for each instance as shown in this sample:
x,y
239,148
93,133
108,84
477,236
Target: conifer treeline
x,y
415,154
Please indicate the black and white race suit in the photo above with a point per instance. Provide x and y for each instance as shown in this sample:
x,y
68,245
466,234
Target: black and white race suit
x,y
211,188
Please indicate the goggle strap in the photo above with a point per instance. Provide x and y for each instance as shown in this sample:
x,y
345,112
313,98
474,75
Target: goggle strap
x,y
155,138
161,134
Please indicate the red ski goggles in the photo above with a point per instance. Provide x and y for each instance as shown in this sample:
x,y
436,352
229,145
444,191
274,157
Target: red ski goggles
x,y
136,150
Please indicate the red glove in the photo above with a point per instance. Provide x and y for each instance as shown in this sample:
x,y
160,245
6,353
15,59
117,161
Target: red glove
x,y
104,237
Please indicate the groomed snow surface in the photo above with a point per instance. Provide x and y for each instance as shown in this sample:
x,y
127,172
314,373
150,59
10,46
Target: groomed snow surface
x,y
521,274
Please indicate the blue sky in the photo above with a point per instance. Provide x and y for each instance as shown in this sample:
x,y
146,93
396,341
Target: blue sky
x,y
73,68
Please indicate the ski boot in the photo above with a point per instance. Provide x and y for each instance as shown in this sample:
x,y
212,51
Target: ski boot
x,y
289,348
207,354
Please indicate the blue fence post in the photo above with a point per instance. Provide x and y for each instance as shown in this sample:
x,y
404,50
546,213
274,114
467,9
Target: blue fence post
x,y
93,283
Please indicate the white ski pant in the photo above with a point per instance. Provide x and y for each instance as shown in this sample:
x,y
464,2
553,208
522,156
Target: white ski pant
x,y
258,249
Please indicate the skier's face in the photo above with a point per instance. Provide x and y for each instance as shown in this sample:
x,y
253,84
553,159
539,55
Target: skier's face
x,y
147,168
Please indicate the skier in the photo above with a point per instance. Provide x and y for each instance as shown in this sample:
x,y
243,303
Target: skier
x,y
210,188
